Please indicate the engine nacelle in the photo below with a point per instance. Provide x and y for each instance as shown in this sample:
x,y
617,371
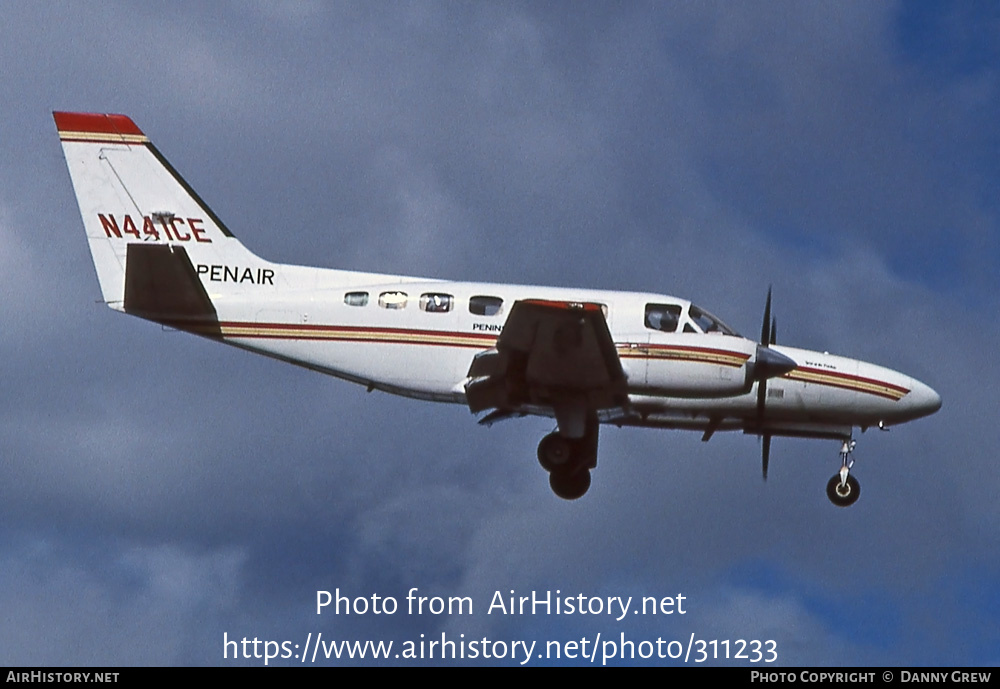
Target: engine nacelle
x,y
691,365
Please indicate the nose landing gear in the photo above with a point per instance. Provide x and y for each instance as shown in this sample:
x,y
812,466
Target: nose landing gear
x,y
843,489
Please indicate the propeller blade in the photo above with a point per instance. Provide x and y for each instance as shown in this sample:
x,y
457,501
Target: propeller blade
x,y
769,363
765,454
761,396
765,334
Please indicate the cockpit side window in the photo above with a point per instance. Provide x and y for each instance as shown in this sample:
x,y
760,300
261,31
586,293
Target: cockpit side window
x,y
663,317
709,323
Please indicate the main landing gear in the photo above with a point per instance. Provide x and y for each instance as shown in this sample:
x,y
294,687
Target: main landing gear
x,y
843,489
569,462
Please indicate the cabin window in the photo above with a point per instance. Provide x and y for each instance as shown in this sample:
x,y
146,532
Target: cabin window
x,y
663,317
356,298
434,302
485,306
392,300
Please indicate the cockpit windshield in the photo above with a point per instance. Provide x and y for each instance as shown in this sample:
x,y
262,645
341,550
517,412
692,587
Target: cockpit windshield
x,y
709,323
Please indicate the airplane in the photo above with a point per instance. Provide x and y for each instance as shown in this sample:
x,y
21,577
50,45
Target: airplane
x,y
582,357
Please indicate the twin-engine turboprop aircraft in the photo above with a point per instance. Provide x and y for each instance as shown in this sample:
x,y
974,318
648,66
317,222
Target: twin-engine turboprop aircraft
x,y
583,357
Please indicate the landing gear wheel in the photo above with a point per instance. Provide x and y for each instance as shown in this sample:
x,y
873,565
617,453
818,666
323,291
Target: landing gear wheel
x,y
570,485
555,453
569,460
843,494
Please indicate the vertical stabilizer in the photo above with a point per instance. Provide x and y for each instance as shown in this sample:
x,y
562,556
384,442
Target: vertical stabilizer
x,y
130,195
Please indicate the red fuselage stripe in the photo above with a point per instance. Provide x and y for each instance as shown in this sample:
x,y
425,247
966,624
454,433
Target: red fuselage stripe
x,y
444,338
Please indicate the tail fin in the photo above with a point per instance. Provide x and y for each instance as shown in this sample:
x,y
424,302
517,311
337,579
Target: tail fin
x,y
130,196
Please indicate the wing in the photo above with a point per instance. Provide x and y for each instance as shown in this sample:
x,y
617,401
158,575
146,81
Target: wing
x,y
550,354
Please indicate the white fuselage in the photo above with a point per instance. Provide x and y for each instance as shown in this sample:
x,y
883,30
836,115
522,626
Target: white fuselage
x,y
387,332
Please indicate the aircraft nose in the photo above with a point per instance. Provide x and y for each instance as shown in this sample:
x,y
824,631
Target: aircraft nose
x,y
922,400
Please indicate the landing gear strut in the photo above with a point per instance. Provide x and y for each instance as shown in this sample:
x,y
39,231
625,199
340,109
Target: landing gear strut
x,y
843,489
569,462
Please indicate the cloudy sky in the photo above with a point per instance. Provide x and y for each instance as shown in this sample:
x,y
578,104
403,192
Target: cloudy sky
x,y
159,491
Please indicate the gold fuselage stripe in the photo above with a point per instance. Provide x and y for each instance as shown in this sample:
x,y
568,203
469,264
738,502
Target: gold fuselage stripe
x,y
292,331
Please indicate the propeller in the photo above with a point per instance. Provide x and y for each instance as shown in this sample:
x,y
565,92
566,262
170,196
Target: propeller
x,y
765,332
768,364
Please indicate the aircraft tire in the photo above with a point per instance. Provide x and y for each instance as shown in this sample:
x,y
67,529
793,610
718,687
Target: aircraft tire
x,y
555,453
570,485
846,495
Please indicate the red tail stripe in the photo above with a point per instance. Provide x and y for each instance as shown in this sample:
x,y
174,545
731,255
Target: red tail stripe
x,y
95,123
